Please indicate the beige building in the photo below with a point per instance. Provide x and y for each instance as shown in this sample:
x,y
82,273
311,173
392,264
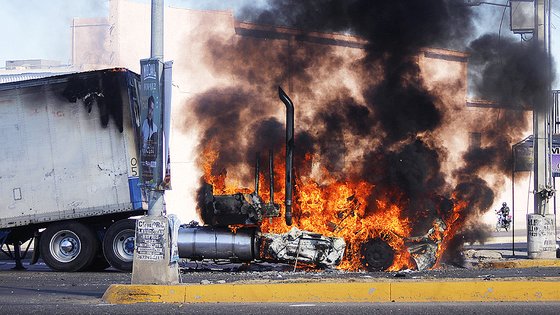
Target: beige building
x,y
212,49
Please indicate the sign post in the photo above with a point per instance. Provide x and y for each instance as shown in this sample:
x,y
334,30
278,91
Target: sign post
x,y
155,261
155,255
541,225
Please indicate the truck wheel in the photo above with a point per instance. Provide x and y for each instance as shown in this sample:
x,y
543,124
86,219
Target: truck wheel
x,y
118,244
99,262
377,255
68,246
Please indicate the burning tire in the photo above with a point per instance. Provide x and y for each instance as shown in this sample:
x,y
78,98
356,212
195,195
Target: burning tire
x,y
377,255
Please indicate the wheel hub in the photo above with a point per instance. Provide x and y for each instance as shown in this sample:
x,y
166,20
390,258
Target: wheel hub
x,y
123,245
129,245
65,245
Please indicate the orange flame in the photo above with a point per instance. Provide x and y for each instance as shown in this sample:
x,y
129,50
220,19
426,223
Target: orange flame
x,y
453,223
337,208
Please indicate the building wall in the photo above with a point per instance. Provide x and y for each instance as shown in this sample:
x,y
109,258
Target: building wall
x,y
91,43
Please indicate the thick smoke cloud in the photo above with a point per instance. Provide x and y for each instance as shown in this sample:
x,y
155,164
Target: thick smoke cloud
x,y
227,126
510,73
390,128
396,27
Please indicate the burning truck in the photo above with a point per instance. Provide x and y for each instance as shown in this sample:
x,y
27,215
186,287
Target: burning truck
x,y
235,225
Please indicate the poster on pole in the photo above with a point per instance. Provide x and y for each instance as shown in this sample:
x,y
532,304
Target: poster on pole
x,y
151,129
523,158
555,161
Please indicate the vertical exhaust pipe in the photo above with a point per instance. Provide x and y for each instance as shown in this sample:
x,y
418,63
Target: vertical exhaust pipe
x,y
289,151
257,175
271,176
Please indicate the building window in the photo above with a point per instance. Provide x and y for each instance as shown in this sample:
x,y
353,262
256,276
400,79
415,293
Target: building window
x,y
474,140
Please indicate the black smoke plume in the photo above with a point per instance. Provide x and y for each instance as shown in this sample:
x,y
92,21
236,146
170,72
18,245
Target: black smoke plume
x,y
512,74
391,124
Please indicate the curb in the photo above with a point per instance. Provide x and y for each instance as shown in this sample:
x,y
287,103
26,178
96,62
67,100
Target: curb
x,y
397,291
521,263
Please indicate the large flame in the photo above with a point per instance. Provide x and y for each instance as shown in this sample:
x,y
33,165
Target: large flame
x,y
339,209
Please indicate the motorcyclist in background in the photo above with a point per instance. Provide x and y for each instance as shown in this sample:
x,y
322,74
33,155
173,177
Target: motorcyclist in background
x,y
504,219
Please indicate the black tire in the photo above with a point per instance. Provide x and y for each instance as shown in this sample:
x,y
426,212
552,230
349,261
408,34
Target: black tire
x,y
68,246
99,262
377,255
118,244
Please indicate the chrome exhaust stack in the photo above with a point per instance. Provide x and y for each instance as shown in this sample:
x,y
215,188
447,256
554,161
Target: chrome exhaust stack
x,y
289,152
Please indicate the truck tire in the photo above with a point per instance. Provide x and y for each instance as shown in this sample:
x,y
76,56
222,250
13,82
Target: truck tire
x,y
118,244
68,246
99,263
377,255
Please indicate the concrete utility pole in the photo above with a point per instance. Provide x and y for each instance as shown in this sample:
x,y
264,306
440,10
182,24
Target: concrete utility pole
x,y
541,225
156,50
154,253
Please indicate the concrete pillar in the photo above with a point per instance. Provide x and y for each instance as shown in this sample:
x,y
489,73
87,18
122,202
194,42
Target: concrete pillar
x,y
541,232
155,252
539,223
153,260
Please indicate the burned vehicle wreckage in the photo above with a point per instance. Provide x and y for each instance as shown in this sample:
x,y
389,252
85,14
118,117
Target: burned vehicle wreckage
x,y
232,228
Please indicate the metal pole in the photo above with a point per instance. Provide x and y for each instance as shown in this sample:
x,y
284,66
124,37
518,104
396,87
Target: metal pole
x,y
154,254
271,175
157,30
539,121
156,202
540,225
513,201
289,152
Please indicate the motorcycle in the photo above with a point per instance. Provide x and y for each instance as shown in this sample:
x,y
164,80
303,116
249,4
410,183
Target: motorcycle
x,y
504,221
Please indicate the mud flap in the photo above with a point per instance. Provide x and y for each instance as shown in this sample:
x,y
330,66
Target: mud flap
x,y
36,250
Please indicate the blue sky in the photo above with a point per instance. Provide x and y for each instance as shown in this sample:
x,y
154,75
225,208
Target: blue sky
x,y
38,29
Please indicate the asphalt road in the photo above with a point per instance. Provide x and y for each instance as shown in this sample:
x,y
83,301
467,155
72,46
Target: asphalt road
x,y
39,290
285,308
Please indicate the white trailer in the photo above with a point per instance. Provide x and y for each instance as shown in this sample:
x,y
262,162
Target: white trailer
x,y
69,169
